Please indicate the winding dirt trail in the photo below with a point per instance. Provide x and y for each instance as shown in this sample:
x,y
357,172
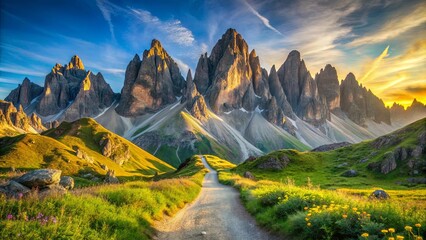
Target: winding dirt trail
x,y
217,211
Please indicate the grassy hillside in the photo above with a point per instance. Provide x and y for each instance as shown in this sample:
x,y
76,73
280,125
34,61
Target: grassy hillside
x,y
366,158
77,148
122,211
219,164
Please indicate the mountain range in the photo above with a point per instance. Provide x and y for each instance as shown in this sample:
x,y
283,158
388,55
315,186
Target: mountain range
x,y
230,107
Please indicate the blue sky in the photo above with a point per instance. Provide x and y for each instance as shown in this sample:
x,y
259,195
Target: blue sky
x,y
351,35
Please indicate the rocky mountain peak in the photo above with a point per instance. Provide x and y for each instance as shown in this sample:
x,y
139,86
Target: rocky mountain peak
x,y
361,104
16,117
151,83
24,93
75,63
328,87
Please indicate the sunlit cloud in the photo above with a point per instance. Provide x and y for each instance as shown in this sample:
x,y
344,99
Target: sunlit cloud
x,y
263,19
395,26
398,78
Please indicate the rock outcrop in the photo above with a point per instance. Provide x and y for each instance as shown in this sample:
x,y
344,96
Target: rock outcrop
x,y
10,116
40,178
151,83
24,93
361,104
330,147
74,91
301,90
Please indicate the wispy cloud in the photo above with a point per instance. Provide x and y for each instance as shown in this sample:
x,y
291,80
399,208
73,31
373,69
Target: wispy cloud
x,y
173,29
103,5
263,19
395,26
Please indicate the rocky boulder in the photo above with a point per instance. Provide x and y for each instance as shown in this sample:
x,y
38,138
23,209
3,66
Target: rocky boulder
x,y
14,189
350,173
380,195
40,178
111,178
67,182
274,163
385,166
249,175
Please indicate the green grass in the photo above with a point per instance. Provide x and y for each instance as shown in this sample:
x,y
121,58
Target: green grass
x,y
307,212
219,164
323,167
55,149
124,211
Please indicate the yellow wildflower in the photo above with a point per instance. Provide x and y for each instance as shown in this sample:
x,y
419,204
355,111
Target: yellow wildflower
x,y
306,208
308,224
391,238
408,228
354,209
391,230
344,216
419,238
309,214
418,225
398,237
384,231
365,235
307,219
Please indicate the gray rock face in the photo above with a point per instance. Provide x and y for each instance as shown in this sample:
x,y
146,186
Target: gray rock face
x,y
328,87
67,182
201,77
157,82
273,163
191,91
259,78
40,178
277,92
360,104
24,93
385,166
301,90
80,92
115,150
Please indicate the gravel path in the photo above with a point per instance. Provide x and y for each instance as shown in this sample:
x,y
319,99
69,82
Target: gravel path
x,y
217,212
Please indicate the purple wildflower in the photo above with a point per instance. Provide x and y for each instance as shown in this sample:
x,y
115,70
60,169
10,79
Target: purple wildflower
x,y
53,219
39,215
20,195
9,216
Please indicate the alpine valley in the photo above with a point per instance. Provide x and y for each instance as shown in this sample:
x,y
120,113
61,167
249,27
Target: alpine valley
x,y
230,107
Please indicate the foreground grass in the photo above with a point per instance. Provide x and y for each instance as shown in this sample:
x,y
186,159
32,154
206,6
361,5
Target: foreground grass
x,y
124,211
311,213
